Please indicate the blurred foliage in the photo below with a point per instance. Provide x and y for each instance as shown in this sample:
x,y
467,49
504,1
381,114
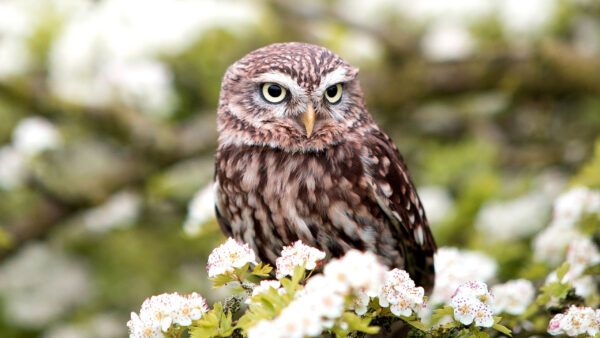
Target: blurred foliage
x,y
485,125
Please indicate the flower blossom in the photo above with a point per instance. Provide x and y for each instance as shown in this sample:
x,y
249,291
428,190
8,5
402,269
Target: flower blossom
x,y
35,134
323,299
575,321
581,254
264,286
513,297
159,313
297,254
228,256
400,294
454,267
473,303
550,244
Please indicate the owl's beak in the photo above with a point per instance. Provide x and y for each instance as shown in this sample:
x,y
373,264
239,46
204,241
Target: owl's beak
x,y
309,119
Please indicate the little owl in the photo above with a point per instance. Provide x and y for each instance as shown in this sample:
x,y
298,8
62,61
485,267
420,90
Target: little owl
x,y
300,158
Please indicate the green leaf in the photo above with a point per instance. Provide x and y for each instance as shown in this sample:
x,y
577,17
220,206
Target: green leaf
x,y
500,327
262,270
441,313
357,323
223,279
562,271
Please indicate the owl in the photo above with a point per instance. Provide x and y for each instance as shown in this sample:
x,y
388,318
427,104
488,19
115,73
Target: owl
x,y
300,158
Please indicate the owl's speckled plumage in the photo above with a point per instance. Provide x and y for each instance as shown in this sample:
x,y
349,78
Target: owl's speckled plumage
x,y
345,186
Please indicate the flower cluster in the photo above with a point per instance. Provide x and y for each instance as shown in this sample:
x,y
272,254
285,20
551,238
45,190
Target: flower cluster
x,y
159,313
513,297
322,301
228,256
576,321
297,254
473,303
581,254
400,294
454,267
549,245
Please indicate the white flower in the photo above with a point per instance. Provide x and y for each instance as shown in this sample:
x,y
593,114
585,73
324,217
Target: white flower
x,y
447,41
200,210
437,202
550,245
581,254
322,301
360,303
228,256
297,254
360,270
99,61
121,209
12,171
399,292
454,267
190,307
515,219
139,328
571,205
576,321
264,286
473,303
33,135
39,285
513,297
162,311
145,85
522,18
264,329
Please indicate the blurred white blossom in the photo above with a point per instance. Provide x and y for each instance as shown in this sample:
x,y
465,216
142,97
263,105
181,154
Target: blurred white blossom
x,y
447,41
550,245
514,219
39,285
522,19
581,254
12,170
576,321
473,303
201,209
455,267
35,134
106,325
121,209
143,84
513,297
437,202
228,256
110,53
297,254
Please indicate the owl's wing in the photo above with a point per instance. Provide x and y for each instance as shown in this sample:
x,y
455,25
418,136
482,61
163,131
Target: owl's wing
x,y
398,199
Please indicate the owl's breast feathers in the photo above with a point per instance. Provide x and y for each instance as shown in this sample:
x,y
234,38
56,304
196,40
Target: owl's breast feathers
x,y
352,195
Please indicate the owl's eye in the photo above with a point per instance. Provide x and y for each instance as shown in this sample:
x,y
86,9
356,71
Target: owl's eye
x,y
273,93
333,94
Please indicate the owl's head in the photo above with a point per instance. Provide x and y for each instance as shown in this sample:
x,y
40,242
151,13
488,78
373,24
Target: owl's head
x,y
293,96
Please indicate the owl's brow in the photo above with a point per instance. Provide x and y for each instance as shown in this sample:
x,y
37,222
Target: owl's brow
x,y
283,80
339,75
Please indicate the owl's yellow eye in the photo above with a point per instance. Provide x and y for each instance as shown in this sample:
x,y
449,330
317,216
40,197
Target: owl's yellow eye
x,y
273,93
333,94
